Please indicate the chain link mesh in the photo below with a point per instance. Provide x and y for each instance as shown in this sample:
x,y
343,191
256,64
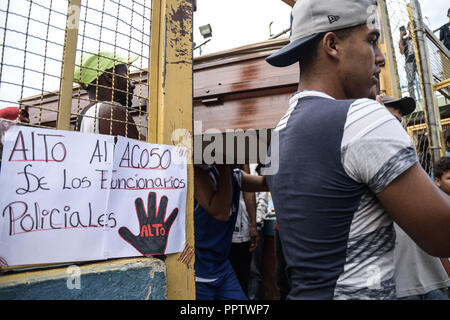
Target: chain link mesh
x,y
32,37
410,82
32,46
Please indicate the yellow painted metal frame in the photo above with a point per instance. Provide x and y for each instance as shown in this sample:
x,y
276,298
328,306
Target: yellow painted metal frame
x,y
70,48
441,85
170,109
422,126
389,79
422,89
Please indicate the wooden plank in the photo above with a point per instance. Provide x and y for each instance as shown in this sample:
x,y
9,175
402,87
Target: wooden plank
x,y
70,48
262,109
389,78
242,76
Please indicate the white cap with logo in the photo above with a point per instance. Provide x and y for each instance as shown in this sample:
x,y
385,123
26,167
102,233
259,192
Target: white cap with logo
x,y
310,18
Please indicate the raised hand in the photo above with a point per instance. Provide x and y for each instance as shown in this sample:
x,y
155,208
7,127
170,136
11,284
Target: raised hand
x,y
154,229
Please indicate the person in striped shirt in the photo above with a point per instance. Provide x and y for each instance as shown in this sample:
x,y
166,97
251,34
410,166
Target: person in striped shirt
x,y
347,168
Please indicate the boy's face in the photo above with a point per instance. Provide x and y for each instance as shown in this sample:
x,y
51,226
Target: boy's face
x,y
444,182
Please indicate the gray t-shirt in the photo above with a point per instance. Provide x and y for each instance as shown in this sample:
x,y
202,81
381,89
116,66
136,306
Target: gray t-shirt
x,y
416,272
334,157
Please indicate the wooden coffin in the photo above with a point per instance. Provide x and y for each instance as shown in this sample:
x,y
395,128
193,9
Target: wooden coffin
x,y
233,90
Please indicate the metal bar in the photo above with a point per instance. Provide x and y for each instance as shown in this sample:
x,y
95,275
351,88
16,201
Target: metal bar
x,y
32,36
389,78
432,117
441,85
436,42
154,72
280,34
3,42
31,19
70,47
170,103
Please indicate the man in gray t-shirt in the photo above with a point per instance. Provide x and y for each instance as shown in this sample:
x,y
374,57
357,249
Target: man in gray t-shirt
x,y
346,167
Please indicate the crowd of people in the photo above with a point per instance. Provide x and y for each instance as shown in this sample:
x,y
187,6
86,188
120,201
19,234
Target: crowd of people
x,y
358,217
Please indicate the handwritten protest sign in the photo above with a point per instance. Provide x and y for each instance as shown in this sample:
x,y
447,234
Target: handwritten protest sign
x,y
68,196
148,188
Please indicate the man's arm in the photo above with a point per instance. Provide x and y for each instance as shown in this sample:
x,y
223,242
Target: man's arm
x,y
421,209
216,202
253,183
250,204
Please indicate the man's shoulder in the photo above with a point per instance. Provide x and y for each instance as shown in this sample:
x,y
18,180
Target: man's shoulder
x,y
110,109
318,108
445,29
341,106
110,104
365,103
328,101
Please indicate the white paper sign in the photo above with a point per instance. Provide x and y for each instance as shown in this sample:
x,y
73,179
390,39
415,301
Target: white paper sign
x,y
68,196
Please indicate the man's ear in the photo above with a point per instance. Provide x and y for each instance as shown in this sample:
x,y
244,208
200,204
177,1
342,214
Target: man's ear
x,y
331,45
437,181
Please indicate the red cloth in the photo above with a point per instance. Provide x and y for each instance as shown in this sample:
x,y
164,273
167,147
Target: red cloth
x,y
10,113
276,226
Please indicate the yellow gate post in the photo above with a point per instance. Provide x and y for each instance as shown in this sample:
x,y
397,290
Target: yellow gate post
x,y
389,79
432,117
70,48
170,109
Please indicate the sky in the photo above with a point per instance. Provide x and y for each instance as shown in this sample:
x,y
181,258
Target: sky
x,y
234,23
435,12
240,22
113,20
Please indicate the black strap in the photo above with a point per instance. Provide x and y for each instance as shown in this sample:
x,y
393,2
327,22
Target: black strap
x,y
81,115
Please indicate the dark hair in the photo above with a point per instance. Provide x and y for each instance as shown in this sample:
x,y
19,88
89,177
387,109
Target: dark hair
x,y
308,54
447,135
309,50
441,167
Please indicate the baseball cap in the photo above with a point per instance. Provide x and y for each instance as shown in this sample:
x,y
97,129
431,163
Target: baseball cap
x,y
310,18
92,65
405,105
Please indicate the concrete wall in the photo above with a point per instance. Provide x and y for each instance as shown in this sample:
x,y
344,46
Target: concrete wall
x,y
124,279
